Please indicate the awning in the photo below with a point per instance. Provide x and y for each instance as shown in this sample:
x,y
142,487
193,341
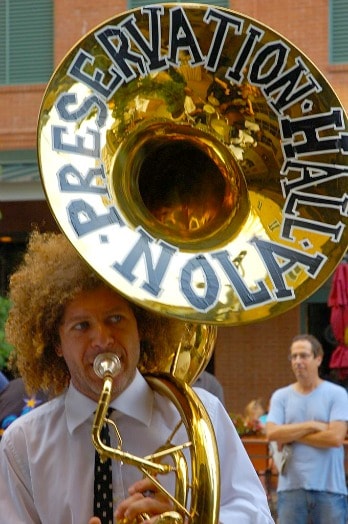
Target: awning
x,y
338,302
20,181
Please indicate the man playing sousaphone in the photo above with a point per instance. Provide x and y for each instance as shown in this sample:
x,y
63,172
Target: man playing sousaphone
x,y
63,316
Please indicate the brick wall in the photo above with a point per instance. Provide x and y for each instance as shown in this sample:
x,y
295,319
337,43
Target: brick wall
x,y
74,19
251,361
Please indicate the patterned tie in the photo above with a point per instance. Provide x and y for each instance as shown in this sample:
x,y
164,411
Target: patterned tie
x,y
103,506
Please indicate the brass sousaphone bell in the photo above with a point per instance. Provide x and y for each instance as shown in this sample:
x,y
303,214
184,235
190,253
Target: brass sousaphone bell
x,y
197,161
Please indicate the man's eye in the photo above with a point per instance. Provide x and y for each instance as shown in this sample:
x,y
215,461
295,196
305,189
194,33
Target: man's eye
x,y
81,326
115,319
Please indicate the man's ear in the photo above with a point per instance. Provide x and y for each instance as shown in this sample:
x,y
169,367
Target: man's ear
x,y
58,349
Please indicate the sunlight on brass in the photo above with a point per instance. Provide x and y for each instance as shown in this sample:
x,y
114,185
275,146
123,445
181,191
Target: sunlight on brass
x,y
199,164
203,488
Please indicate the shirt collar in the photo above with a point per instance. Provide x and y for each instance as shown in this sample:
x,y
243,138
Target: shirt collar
x,y
136,402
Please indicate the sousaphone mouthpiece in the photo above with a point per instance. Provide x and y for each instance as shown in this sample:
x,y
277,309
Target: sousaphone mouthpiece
x,y
106,364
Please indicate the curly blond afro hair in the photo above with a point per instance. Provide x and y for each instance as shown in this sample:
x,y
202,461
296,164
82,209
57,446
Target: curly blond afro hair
x,y
51,274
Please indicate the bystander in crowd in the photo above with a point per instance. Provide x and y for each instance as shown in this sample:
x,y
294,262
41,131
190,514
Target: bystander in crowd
x,y
308,420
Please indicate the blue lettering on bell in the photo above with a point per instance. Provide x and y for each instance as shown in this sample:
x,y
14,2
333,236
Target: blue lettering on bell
x,y
152,47
292,219
235,73
182,36
121,54
310,173
95,82
89,105
224,21
155,272
290,88
309,128
269,252
212,286
84,219
78,147
248,297
71,180
135,46
268,63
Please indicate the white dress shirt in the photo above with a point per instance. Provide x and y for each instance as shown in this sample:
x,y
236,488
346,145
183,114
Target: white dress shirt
x,y
47,458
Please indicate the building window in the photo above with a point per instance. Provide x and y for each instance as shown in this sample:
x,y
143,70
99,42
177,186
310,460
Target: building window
x,y
26,41
338,29
138,3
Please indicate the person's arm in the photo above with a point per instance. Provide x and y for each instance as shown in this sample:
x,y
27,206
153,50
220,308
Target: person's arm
x,y
332,436
287,433
16,502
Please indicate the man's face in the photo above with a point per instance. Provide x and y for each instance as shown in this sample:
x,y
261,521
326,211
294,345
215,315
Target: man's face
x,y
304,364
94,322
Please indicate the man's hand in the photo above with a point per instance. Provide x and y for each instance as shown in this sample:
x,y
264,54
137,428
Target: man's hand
x,y
144,498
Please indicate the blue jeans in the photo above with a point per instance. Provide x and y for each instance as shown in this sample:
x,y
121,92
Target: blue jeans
x,y
301,506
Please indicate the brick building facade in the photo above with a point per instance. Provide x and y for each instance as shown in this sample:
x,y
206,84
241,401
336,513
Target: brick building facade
x,y
250,361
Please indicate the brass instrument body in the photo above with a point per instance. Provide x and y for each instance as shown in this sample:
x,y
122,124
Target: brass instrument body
x,y
197,493
216,162
118,453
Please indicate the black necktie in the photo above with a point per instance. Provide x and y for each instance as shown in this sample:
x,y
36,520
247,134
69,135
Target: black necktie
x,y
103,507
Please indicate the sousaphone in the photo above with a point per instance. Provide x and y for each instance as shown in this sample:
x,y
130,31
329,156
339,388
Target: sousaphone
x,y
197,160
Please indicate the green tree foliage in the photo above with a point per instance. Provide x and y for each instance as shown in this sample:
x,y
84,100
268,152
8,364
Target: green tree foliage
x,y
5,347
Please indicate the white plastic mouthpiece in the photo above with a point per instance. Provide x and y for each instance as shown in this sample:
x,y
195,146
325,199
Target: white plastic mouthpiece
x,y
106,364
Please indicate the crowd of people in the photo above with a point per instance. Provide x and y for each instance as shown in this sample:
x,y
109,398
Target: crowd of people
x,y
74,316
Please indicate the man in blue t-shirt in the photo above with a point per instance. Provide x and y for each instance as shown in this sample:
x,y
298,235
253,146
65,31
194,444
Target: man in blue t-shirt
x,y
308,421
